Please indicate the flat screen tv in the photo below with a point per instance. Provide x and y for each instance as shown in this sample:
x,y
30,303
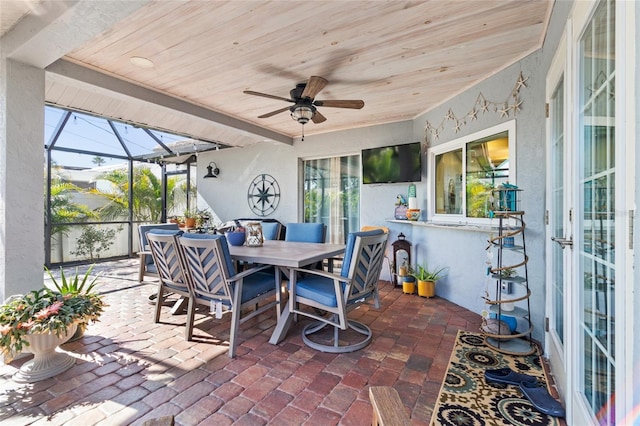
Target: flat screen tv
x,y
391,164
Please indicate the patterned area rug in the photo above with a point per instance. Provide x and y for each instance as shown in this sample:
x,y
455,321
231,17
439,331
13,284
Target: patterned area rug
x,y
467,399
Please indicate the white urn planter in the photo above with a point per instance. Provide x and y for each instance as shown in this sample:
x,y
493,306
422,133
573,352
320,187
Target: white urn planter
x,y
47,360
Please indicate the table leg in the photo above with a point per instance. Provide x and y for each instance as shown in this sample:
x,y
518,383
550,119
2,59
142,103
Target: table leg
x,y
179,306
282,326
284,318
278,293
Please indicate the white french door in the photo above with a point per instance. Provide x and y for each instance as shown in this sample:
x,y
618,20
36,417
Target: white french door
x,y
587,247
559,214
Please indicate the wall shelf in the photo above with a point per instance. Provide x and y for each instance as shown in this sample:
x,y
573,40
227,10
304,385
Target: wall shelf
x,y
446,225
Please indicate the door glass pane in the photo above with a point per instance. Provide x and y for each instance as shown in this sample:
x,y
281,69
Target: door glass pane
x,y
557,217
449,182
597,219
176,190
332,195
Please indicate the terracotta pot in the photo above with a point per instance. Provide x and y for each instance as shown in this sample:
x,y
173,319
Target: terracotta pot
x,y
426,288
190,222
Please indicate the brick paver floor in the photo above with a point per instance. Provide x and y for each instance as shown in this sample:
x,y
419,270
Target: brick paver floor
x,y
129,369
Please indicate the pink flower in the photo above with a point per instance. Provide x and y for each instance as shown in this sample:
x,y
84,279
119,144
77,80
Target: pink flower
x,y
26,325
49,310
5,329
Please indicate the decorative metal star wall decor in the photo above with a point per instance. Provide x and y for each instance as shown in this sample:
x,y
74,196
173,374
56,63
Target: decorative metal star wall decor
x,y
511,105
263,195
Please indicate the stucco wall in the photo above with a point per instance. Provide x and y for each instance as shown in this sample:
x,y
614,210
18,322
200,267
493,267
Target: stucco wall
x,y
227,194
21,136
461,250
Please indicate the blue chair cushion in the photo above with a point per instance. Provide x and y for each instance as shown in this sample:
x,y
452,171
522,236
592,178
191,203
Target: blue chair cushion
x,y
270,230
305,232
256,284
319,289
252,286
157,231
225,248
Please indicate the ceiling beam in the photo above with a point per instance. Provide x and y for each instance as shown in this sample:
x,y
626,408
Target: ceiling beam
x,y
55,28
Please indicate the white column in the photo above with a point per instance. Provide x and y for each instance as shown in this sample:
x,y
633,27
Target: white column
x,y
21,177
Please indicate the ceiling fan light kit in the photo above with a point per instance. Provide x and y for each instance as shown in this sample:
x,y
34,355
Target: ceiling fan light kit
x,y
302,113
304,104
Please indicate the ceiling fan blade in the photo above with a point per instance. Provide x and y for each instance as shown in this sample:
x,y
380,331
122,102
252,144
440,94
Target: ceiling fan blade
x,y
265,95
314,86
272,113
318,118
354,104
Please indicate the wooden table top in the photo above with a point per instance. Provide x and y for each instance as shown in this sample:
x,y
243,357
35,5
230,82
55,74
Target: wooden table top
x,y
286,253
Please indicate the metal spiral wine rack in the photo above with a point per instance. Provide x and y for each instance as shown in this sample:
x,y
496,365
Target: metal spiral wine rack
x,y
511,229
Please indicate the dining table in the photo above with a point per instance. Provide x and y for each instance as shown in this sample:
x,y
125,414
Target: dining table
x,y
285,256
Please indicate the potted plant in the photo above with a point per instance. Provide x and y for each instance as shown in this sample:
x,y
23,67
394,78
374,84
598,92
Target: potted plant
x,y
408,280
189,219
74,286
427,279
40,321
202,217
508,273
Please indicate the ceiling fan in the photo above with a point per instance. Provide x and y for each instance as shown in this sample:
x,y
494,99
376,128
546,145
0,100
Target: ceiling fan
x,y
304,103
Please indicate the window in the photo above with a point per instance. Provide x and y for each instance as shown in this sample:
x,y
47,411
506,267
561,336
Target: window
x,y
463,173
332,195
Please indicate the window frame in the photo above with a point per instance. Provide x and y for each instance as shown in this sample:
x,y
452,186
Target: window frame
x,y
462,143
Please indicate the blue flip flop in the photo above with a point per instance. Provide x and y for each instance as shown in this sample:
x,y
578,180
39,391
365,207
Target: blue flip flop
x,y
508,376
541,399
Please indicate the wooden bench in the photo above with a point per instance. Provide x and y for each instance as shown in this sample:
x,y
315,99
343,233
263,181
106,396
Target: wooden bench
x,y
388,409
160,421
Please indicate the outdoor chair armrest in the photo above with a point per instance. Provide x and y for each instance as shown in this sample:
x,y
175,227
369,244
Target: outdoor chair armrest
x,y
325,274
250,271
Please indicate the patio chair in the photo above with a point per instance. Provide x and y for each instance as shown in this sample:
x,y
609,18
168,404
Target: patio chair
x,y
147,267
332,296
334,262
216,284
272,230
167,257
305,232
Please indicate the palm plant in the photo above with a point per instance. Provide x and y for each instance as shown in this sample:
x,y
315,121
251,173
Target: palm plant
x,y
64,210
147,194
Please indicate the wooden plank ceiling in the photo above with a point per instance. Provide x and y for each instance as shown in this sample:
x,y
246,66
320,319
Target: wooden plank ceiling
x,y
401,58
